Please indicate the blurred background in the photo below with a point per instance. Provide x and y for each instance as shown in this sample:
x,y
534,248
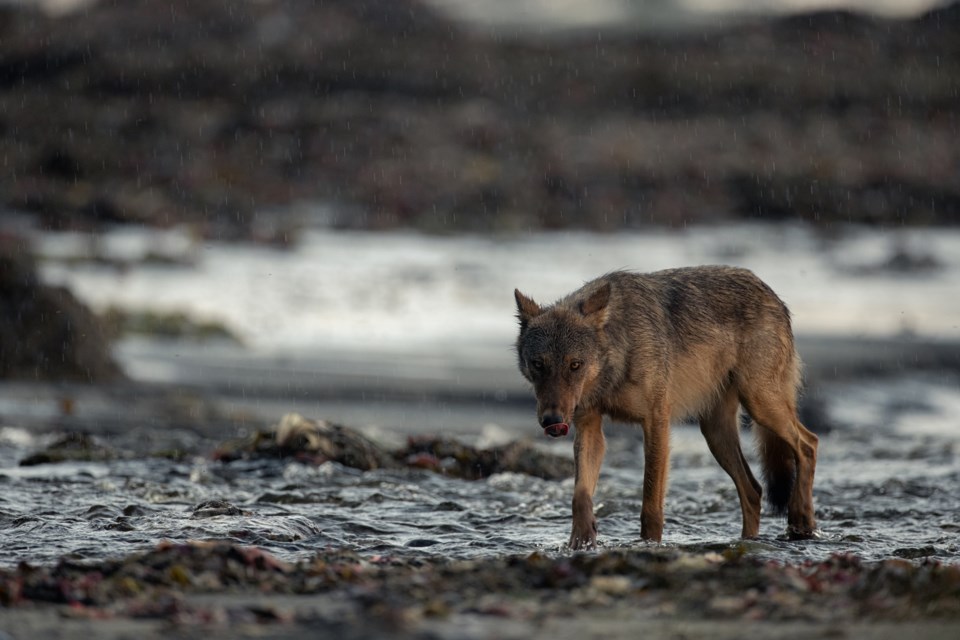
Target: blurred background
x,y
331,202
214,213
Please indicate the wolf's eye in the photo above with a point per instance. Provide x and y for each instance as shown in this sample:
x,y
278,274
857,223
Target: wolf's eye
x,y
575,365
538,365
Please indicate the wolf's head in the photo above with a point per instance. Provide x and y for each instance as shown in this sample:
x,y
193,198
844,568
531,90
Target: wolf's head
x,y
560,352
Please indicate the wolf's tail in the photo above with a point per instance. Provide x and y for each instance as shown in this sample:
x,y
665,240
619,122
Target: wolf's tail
x,y
779,468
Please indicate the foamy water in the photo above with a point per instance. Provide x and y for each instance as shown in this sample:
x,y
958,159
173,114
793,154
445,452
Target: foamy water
x,y
368,291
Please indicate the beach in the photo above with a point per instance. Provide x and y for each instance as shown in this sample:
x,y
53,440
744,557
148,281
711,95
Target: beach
x,y
257,316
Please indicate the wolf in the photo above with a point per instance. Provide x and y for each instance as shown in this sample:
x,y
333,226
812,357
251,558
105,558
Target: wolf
x,y
651,348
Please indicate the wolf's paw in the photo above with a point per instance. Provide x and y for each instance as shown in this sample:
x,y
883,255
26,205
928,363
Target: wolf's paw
x,y
584,536
803,533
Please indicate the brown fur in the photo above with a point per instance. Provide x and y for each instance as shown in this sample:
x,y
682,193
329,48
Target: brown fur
x,y
652,348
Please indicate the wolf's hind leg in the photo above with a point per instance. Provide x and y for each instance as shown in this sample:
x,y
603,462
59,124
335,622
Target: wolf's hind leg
x,y
589,447
721,429
778,415
768,378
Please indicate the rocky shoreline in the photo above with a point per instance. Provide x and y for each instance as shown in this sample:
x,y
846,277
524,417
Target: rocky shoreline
x,y
245,119
212,585
225,589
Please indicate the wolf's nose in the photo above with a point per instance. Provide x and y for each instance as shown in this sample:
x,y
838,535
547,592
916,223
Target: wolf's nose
x,y
550,419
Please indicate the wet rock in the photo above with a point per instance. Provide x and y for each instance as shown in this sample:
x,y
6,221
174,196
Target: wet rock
x,y
318,441
73,447
213,508
309,441
45,332
914,553
454,458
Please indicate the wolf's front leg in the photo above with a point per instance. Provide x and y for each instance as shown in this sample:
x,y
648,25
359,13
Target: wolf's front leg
x,y
656,454
588,450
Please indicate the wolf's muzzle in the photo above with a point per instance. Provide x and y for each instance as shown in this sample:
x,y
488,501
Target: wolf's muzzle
x,y
554,426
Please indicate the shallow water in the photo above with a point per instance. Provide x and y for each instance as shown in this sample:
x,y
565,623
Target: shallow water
x,y
435,315
887,485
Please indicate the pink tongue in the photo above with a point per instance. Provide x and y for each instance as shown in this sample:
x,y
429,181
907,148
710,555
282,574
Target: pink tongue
x,y
556,430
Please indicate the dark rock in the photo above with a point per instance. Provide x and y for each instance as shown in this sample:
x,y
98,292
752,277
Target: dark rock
x,y
316,442
45,332
72,447
309,441
212,508
454,458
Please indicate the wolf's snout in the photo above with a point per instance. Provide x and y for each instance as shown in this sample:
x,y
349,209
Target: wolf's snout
x,y
553,425
549,419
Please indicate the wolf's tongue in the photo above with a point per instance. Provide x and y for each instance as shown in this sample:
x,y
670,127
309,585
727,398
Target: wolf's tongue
x,y
556,430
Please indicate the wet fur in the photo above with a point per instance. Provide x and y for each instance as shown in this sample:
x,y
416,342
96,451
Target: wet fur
x,y
658,347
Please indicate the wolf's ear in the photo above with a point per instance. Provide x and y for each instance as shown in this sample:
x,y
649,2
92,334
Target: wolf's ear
x,y
527,309
594,308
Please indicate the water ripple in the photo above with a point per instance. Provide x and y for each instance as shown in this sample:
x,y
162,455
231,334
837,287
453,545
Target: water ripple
x,y
878,495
